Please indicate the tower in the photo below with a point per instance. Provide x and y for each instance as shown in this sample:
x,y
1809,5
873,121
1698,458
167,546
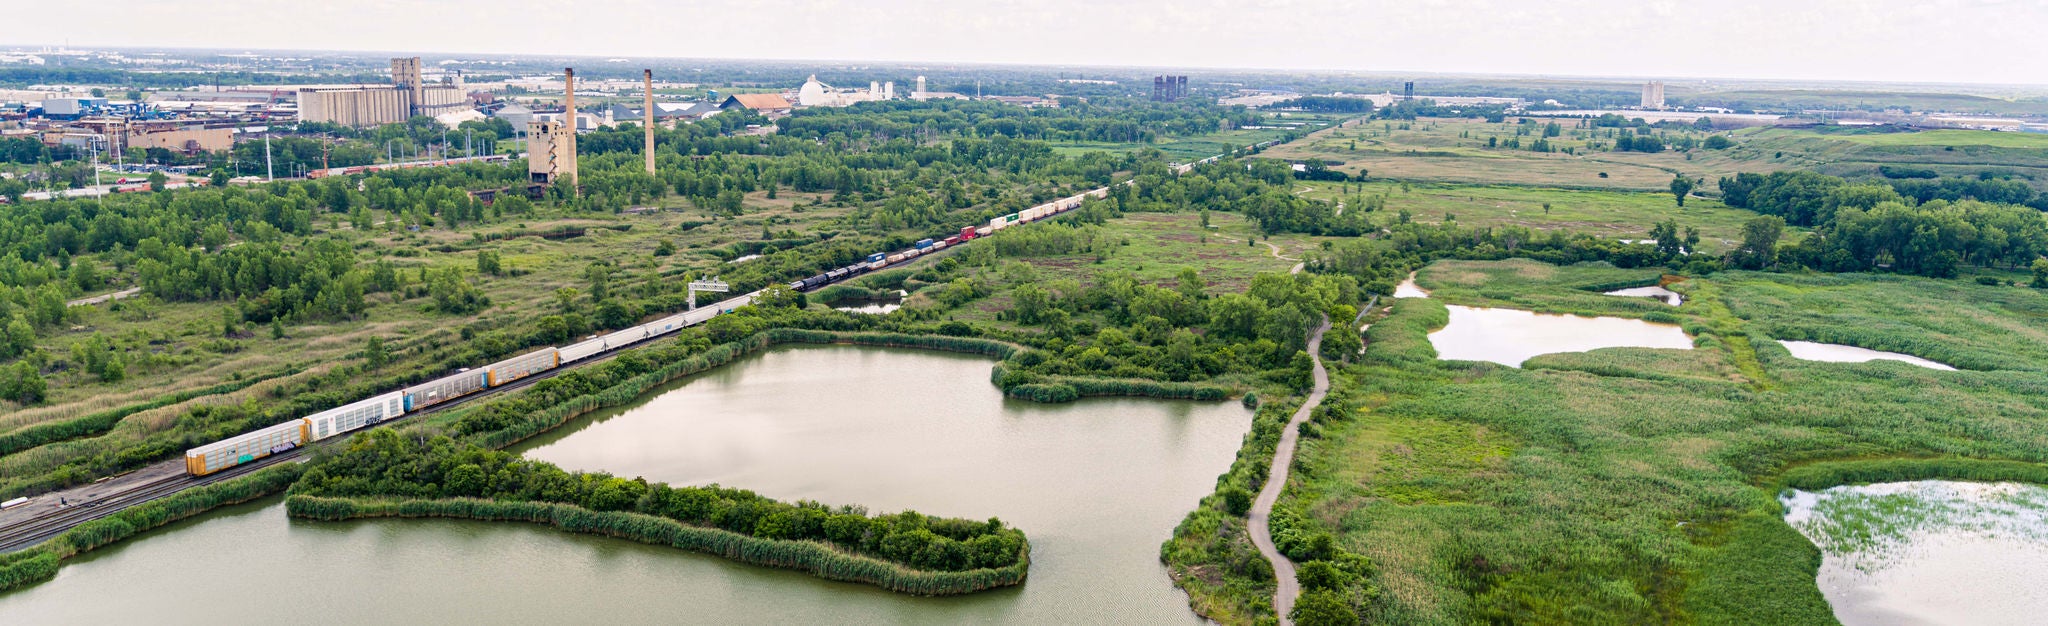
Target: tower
x,y
647,118
1653,95
569,118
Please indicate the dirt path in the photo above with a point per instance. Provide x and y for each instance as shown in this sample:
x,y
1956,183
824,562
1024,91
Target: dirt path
x,y
104,297
1276,480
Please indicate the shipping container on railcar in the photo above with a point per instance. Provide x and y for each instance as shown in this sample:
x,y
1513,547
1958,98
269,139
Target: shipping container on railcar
x,y
923,243
226,453
968,232
523,366
354,415
937,246
448,388
582,350
953,240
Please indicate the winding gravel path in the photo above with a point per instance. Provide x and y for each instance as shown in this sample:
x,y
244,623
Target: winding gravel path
x,y
1276,480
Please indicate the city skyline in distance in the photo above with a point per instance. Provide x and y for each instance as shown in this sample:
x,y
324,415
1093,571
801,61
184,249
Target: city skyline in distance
x,y
1944,41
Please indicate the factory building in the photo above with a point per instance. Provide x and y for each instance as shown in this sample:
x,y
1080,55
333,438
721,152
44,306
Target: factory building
x,y
408,95
547,150
921,95
1653,95
1169,88
819,94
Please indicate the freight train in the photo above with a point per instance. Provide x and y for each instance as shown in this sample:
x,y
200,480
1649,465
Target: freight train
x,y
334,422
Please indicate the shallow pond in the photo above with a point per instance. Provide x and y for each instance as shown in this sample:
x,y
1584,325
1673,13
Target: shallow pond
x,y
1666,296
1408,289
1929,552
1097,484
1510,336
1837,353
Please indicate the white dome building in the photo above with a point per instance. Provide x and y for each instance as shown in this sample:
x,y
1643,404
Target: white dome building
x,y
818,94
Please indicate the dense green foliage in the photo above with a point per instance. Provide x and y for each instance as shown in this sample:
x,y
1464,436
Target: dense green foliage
x,y
383,464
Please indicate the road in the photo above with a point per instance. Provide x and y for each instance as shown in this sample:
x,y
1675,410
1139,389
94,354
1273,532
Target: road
x,y
1276,481
104,297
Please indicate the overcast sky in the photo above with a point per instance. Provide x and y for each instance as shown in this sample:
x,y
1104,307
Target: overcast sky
x,y
1982,41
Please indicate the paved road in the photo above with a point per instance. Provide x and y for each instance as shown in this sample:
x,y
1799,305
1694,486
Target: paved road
x,y
1276,480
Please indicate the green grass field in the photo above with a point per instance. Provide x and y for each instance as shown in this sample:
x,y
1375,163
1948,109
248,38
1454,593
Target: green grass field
x,y
1615,214
1455,151
1185,149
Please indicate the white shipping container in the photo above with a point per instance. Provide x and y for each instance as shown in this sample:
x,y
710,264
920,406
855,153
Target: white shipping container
x,y
354,415
583,350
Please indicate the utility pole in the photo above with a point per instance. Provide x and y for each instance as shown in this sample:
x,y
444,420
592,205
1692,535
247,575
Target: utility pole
x,y
647,75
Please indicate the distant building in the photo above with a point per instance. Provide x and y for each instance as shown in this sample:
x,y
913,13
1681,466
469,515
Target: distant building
x,y
548,151
764,103
819,94
1653,95
1169,88
921,95
408,95
188,141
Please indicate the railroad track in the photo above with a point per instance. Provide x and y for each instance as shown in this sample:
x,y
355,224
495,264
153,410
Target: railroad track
x,y
22,535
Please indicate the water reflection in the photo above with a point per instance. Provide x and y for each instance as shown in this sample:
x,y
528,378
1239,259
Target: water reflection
x,y
1666,296
1929,552
1837,353
1509,336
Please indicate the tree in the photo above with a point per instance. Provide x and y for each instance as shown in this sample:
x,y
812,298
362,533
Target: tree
x,y
667,247
1680,188
157,180
1323,608
1759,247
1719,142
2040,274
487,262
1237,500
375,354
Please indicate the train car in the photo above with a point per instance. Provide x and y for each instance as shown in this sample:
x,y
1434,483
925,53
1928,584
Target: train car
x,y
582,350
448,388
896,258
952,241
968,232
667,325
911,253
923,243
937,246
834,274
355,415
625,337
983,232
233,451
876,257
522,366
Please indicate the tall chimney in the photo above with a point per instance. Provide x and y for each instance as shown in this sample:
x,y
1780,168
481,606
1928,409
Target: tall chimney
x,y
647,118
569,89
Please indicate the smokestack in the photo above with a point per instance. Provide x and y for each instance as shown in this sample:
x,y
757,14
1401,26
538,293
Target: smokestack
x,y
569,91
647,118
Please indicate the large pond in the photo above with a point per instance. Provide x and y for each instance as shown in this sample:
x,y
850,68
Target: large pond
x,y
1510,336
1097,484
1929,552
1837,353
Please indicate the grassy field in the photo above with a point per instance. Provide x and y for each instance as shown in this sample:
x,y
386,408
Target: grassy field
x,y
1186,149
1615,214
1851,152
1455,151
1638,486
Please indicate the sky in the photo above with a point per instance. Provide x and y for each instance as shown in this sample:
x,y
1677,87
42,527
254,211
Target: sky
x,y
1950,41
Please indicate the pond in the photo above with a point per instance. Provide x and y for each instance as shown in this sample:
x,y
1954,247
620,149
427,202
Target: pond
x,y
1666,296
1097,484
1929,552
1837,353
1408,289
1510,336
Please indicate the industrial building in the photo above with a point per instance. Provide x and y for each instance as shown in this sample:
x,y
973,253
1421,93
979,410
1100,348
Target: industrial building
x,y
1169,88
1653,95
819,94
769,104
407,96
921,95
